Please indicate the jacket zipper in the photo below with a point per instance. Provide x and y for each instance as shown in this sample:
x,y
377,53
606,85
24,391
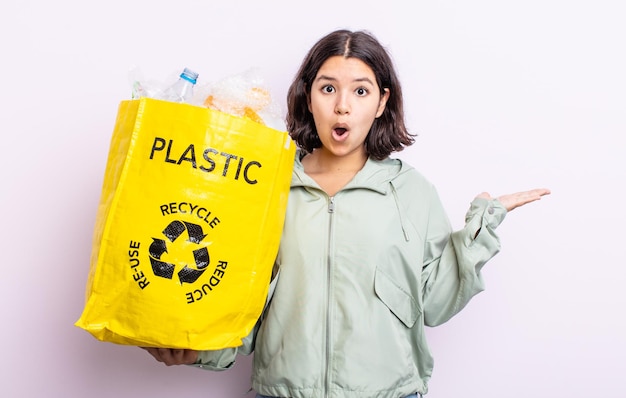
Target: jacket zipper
x,y
331,211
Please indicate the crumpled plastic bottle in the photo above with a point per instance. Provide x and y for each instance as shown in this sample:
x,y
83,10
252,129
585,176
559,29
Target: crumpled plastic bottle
x,y
182,89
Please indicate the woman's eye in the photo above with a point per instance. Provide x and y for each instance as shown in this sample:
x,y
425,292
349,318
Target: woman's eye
x,y
328,89
361,91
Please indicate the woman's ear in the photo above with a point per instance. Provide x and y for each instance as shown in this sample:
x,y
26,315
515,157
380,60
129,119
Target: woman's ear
x,y
382,103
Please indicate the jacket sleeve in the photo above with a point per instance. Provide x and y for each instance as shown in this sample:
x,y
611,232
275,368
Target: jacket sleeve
x,y
223,359
218,360
453,261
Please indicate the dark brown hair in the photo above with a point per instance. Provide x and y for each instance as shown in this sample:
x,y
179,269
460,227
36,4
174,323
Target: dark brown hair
x,y
388,133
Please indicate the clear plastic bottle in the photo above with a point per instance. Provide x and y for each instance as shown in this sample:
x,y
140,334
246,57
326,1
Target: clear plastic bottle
x,y
182,90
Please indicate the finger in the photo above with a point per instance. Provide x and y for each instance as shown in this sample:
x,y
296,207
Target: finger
x,y
154,352
542,191
177,356
515,200
160,354
190,356
533,194
169,356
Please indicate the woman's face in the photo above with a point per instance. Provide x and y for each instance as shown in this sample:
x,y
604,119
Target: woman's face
x,y
344,101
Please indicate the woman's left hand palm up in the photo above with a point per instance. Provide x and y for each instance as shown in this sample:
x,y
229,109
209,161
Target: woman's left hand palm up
x,y
515,200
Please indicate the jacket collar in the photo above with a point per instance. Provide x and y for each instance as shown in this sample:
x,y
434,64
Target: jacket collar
x,y
375,175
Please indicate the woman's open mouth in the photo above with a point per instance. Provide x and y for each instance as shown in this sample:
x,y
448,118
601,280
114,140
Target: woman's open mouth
x,y
340,132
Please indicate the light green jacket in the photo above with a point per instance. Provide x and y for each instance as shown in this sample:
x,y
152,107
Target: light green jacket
x,y
361,274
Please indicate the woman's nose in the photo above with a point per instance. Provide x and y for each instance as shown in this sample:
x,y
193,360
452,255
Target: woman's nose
x,y
342,107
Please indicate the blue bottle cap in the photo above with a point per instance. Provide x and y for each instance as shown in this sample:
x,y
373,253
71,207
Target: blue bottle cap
x,y
189,75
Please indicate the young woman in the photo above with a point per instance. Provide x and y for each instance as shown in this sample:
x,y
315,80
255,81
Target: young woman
x,y
367,257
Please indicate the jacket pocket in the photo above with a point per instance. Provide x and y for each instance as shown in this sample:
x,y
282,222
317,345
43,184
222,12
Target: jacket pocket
x,y
399,301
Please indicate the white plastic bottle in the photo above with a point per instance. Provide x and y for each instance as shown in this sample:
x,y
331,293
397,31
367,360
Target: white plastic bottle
x,y
182,90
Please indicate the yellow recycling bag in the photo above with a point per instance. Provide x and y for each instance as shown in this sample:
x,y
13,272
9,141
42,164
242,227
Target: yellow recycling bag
x,y
188,227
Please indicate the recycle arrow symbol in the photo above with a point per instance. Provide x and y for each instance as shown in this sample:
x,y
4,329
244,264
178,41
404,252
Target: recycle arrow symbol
x,y
160,268
159,246
176,228
190,275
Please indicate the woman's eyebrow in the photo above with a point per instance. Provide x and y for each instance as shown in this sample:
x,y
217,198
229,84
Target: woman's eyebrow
x,y
324,77
364,79
358,80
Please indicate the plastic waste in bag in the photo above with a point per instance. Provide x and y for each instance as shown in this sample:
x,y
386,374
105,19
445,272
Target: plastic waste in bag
x,y
182,90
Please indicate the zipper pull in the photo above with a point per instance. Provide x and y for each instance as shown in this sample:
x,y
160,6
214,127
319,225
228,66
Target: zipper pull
x,y
331,204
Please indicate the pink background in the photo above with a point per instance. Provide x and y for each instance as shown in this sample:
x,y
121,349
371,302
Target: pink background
x,y
505,96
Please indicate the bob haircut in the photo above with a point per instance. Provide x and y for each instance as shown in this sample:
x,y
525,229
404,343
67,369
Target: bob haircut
x,y
388,132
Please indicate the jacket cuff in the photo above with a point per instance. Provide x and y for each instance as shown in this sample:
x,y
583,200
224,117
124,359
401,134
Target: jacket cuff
x,y
216,360
482,218
485,212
